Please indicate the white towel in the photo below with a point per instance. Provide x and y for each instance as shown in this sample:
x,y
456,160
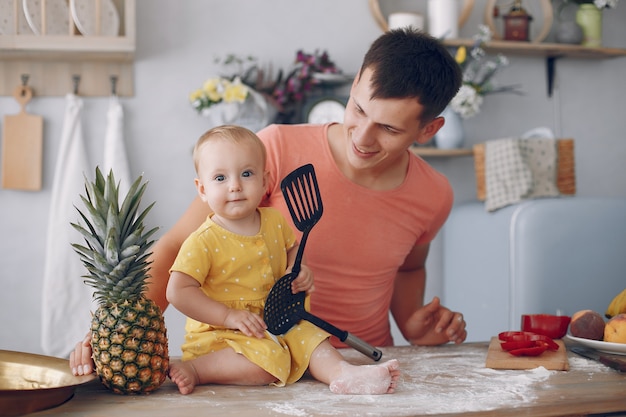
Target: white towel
x,y
67,300
519,169
114,149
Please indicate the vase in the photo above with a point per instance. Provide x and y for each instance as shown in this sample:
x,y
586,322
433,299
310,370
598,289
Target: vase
x,y
451,135
589,17
254,113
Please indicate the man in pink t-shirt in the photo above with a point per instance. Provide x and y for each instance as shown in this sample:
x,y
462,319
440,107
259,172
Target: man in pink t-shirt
x,y
364,235
382,205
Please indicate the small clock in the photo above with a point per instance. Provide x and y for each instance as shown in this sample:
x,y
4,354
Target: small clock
x,y
326,110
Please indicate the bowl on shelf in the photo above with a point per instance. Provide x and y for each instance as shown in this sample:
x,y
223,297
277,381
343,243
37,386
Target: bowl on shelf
x,y
549,325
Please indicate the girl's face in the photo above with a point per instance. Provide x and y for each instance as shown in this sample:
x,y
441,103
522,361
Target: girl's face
x,y
231,178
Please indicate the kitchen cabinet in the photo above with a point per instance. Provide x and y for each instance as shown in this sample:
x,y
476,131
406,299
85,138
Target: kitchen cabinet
x,y
96,64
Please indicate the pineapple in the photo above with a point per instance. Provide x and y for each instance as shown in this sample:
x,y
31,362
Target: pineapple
x,y
128,334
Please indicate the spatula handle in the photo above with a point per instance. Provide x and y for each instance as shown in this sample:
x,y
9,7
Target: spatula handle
x,y
363,347
295,269
349,339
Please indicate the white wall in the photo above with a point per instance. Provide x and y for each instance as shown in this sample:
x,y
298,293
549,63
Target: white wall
x,y
176,44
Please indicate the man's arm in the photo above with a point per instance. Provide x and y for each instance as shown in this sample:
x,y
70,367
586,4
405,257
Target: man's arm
x,y
166,248
409,287
420,324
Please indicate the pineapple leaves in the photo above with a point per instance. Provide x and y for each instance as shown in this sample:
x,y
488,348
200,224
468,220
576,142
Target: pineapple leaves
x,y
93,241
110,251
98,223
111,191
130,205
116,251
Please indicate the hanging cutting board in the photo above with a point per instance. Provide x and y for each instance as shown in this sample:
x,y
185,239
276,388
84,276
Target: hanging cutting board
x,y
552,360
22,146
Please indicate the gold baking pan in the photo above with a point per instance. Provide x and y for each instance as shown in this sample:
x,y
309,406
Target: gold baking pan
x,y
30,382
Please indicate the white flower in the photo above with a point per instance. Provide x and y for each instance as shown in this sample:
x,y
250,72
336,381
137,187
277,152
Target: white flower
x,y
467,102
478,71
601,4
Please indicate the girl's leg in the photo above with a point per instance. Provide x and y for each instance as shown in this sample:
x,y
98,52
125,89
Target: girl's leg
x,y
328,366
222,367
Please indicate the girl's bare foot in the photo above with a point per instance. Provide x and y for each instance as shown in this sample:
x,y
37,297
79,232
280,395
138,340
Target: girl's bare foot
x,y
184,375
367,379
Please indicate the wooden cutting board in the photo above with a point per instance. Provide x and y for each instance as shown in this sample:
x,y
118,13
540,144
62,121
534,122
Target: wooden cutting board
x,y
22,140
500,359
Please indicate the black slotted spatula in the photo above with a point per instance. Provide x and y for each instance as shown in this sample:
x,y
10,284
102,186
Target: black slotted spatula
x,y
283,309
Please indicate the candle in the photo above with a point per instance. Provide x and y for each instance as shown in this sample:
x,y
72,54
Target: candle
x,y
404,19
443,16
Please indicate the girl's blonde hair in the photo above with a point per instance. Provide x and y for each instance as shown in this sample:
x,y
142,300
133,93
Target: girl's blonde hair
x,y
235,134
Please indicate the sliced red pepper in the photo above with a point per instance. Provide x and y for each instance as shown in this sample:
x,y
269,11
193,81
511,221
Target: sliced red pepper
x,y
530,351
512,334
518,336
518,344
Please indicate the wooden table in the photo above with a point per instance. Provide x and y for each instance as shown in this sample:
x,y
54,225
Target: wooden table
x,y
441,381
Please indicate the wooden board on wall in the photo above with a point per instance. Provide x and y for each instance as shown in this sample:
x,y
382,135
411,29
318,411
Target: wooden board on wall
x,y
22,146
54,78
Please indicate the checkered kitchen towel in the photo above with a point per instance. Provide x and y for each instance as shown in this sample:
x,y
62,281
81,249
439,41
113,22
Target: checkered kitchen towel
x,y
519,169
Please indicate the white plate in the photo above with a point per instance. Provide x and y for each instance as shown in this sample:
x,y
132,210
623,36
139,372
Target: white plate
x,y
608,347
85,16
57,16
331,78
7,19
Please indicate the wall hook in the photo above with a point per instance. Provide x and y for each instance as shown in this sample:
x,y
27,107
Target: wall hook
x,y
113,79
24,90
75,82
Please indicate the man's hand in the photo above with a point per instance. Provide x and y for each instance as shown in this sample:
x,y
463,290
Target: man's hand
x,y
434,324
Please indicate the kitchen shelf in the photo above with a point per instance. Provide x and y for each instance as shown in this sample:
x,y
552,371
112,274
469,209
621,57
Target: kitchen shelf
x,y
551,52
430,151
51,62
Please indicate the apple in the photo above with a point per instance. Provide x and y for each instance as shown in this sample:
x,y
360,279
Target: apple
x,y
615,329
587,324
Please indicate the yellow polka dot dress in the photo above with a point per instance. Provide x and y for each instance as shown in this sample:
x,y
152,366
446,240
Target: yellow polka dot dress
x,y
239,271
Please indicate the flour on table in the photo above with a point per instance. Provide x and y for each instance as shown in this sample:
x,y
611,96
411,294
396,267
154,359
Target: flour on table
x,y
433,381
422,389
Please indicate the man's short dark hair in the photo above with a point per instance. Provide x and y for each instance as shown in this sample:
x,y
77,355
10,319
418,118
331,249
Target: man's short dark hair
x,y
408,63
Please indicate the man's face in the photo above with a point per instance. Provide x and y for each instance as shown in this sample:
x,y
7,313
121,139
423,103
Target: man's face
x,y
379,131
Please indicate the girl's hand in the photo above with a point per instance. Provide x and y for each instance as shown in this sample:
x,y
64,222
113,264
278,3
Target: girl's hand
x,y
248,323
304,281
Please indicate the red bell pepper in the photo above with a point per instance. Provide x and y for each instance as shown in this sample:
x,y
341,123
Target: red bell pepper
x,y
528,336
529,351
520,343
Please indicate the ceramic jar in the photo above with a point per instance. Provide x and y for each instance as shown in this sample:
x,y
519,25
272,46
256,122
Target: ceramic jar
x,y
452,134
589,17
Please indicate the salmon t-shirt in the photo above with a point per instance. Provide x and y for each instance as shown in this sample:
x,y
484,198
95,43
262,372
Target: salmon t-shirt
x,y
363,236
